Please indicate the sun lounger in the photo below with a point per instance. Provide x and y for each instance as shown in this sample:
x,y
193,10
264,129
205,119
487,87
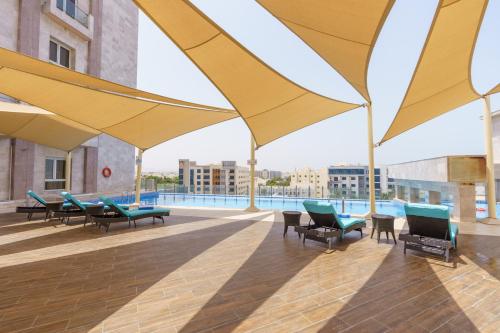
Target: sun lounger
x,y
122,215
40,206
327,224
430,229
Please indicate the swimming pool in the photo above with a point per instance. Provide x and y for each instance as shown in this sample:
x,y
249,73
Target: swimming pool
x,y
394,208
219,201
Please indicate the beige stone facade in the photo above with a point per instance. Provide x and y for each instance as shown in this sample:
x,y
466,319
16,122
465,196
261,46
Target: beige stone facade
x,y
102,37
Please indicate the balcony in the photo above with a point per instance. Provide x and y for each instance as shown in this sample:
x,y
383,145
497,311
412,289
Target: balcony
x,y
69,15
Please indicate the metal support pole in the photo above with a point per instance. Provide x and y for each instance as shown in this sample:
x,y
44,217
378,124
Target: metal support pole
x,y
371,159
138,173
67,171
252,163
490,168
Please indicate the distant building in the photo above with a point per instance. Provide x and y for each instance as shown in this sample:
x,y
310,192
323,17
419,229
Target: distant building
x,y
307,182
353,181
223,178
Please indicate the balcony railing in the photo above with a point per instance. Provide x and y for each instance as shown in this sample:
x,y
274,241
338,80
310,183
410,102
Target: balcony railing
x,y
72,10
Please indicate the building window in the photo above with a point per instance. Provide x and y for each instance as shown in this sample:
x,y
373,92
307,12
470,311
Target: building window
x,y
60,54
343,178
335,179
353,185
55,173
72,10
353,178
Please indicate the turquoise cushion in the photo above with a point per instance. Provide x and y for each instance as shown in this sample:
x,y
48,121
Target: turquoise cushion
x,y
453,233
425,210
139,212
73,200
111,203
320,207
347,222
37,197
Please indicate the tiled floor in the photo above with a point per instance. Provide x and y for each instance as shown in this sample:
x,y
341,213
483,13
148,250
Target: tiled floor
x,y
225,271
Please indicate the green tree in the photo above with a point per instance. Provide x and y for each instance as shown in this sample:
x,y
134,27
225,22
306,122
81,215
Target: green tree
x,y
278,181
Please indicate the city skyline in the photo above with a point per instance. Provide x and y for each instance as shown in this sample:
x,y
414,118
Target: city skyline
x,y
164,69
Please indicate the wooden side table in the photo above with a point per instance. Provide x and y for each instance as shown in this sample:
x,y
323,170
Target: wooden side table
x,y
292,218
91,210
52,206
382,223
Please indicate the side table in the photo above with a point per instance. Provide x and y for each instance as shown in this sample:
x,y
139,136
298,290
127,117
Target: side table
x,y
382,223
292,218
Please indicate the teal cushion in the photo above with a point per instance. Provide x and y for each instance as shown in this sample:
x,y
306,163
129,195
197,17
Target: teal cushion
x,y
320,207
349,221
73,200
453,233
107,201
425,210
37,197
139,212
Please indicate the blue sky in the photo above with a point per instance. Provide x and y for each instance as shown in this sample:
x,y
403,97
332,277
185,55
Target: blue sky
x,y
163,69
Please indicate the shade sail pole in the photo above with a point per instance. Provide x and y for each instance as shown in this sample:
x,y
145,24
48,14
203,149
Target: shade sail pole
x,y
67,171
490,168
252,163
371,159
138,173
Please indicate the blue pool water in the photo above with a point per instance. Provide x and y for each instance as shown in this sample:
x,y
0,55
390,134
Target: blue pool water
x,y
280,203
220,201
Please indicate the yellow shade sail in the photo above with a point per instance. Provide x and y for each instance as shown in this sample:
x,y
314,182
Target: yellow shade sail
x,y
442,79
494,90
270,104
125,113
343,32
40,126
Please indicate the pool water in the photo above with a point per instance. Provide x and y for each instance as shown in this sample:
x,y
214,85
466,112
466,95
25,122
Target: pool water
x,y
394,208
219,201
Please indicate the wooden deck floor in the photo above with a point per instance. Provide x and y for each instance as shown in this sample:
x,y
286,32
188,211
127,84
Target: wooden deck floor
x,y
228,271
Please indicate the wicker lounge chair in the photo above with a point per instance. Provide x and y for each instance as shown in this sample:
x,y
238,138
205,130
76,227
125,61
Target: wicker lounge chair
x,y
430,229
40,206
119,214
76,209
327,224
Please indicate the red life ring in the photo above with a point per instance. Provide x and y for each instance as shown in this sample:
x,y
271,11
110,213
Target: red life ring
x,y
106,172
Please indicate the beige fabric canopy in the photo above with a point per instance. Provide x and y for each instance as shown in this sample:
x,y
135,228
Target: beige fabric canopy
x,y
271,105
343,33
122,112
494,90
39,126
442,80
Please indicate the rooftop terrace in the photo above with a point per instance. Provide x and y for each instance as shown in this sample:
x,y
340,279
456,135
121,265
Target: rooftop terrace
x,y
230,271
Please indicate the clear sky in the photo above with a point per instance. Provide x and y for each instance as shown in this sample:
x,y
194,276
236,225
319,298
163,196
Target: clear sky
x,y
163,69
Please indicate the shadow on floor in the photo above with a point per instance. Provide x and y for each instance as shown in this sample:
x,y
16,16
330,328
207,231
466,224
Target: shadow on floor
x,y
84,289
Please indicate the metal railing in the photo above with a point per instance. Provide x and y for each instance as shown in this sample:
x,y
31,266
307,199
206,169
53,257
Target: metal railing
x,y
72,10
318,192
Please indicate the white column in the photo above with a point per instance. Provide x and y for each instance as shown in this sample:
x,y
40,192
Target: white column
x,y
138,173
252,163
371,158
490,167
67,171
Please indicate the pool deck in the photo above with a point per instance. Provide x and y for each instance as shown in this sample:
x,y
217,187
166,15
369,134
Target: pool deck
x,y
210,270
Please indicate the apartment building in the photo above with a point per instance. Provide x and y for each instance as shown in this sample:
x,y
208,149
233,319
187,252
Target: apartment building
x,y
224,178
98,37
353,181
307,182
